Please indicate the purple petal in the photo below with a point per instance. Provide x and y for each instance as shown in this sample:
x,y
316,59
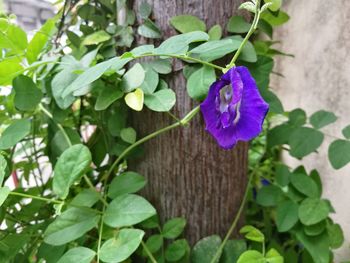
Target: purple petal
x,y
239,118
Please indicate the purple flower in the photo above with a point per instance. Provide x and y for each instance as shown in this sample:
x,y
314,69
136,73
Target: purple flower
x,y
234,109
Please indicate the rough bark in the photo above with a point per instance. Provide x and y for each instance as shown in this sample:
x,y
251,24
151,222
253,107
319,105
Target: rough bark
x,y
188,174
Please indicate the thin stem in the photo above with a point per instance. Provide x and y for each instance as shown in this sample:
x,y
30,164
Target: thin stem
x,y
100,234
184,121
59,126
37,198
234,223
89,183
183,58
250,32
87,180
149,254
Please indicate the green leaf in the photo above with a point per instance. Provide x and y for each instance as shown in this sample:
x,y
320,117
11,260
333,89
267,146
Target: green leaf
x,y
312,211
205,249
70,225
304,184
126,183
336,236
282,175
178,45
133,78
297,117
177,250
149,30
272,256
286,215
232,250
128,135
78,254
14,133
145,10
122,246
4,192
86,197
322,118
135,99
199,82
27,94
40,39
3,166
174,227
214,49
237,24
304,141
9,68
154,243
162,66
14,38
317,246
316,229
251,256
339,153
50,253
187,23
268,195
151,81
96,38
248,53
127,210
95,72
162,100
273,101
249,6
275,20
275,4
252,233
107,96
346,132
70,167
215,33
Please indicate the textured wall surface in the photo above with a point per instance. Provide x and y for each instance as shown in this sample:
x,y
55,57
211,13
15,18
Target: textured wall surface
x,y
318,34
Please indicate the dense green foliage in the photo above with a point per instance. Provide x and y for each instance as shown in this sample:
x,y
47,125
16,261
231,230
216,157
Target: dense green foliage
x,y
66,140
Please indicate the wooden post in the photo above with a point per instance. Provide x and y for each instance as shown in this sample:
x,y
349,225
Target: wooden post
x,y
188,174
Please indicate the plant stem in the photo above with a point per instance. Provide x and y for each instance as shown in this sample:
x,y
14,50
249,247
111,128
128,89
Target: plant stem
x,y
184,121
100,234
149,254
250,32
234,223
37,198
183,58
59,126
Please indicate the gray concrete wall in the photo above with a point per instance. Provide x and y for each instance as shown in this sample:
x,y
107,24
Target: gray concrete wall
x,y
318,34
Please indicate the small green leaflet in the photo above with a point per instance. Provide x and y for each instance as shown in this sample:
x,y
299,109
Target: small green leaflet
x,y
322,118
339,153
161,101
96,38
70,225
4,192
78,254
126,183
121,247
174,227
14,133
127,210
70,167
205,249
199,82
27,94
187,23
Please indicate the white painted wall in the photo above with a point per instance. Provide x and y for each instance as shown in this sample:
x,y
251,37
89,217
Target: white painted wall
x,y
318,34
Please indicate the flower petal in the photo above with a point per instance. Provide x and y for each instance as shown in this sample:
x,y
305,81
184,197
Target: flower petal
x,y
253,108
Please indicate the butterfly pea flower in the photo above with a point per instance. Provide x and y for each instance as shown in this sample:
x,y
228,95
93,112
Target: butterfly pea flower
x,y
234,109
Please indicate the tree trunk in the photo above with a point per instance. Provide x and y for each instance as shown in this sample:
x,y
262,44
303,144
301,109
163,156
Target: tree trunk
x,y
188,174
